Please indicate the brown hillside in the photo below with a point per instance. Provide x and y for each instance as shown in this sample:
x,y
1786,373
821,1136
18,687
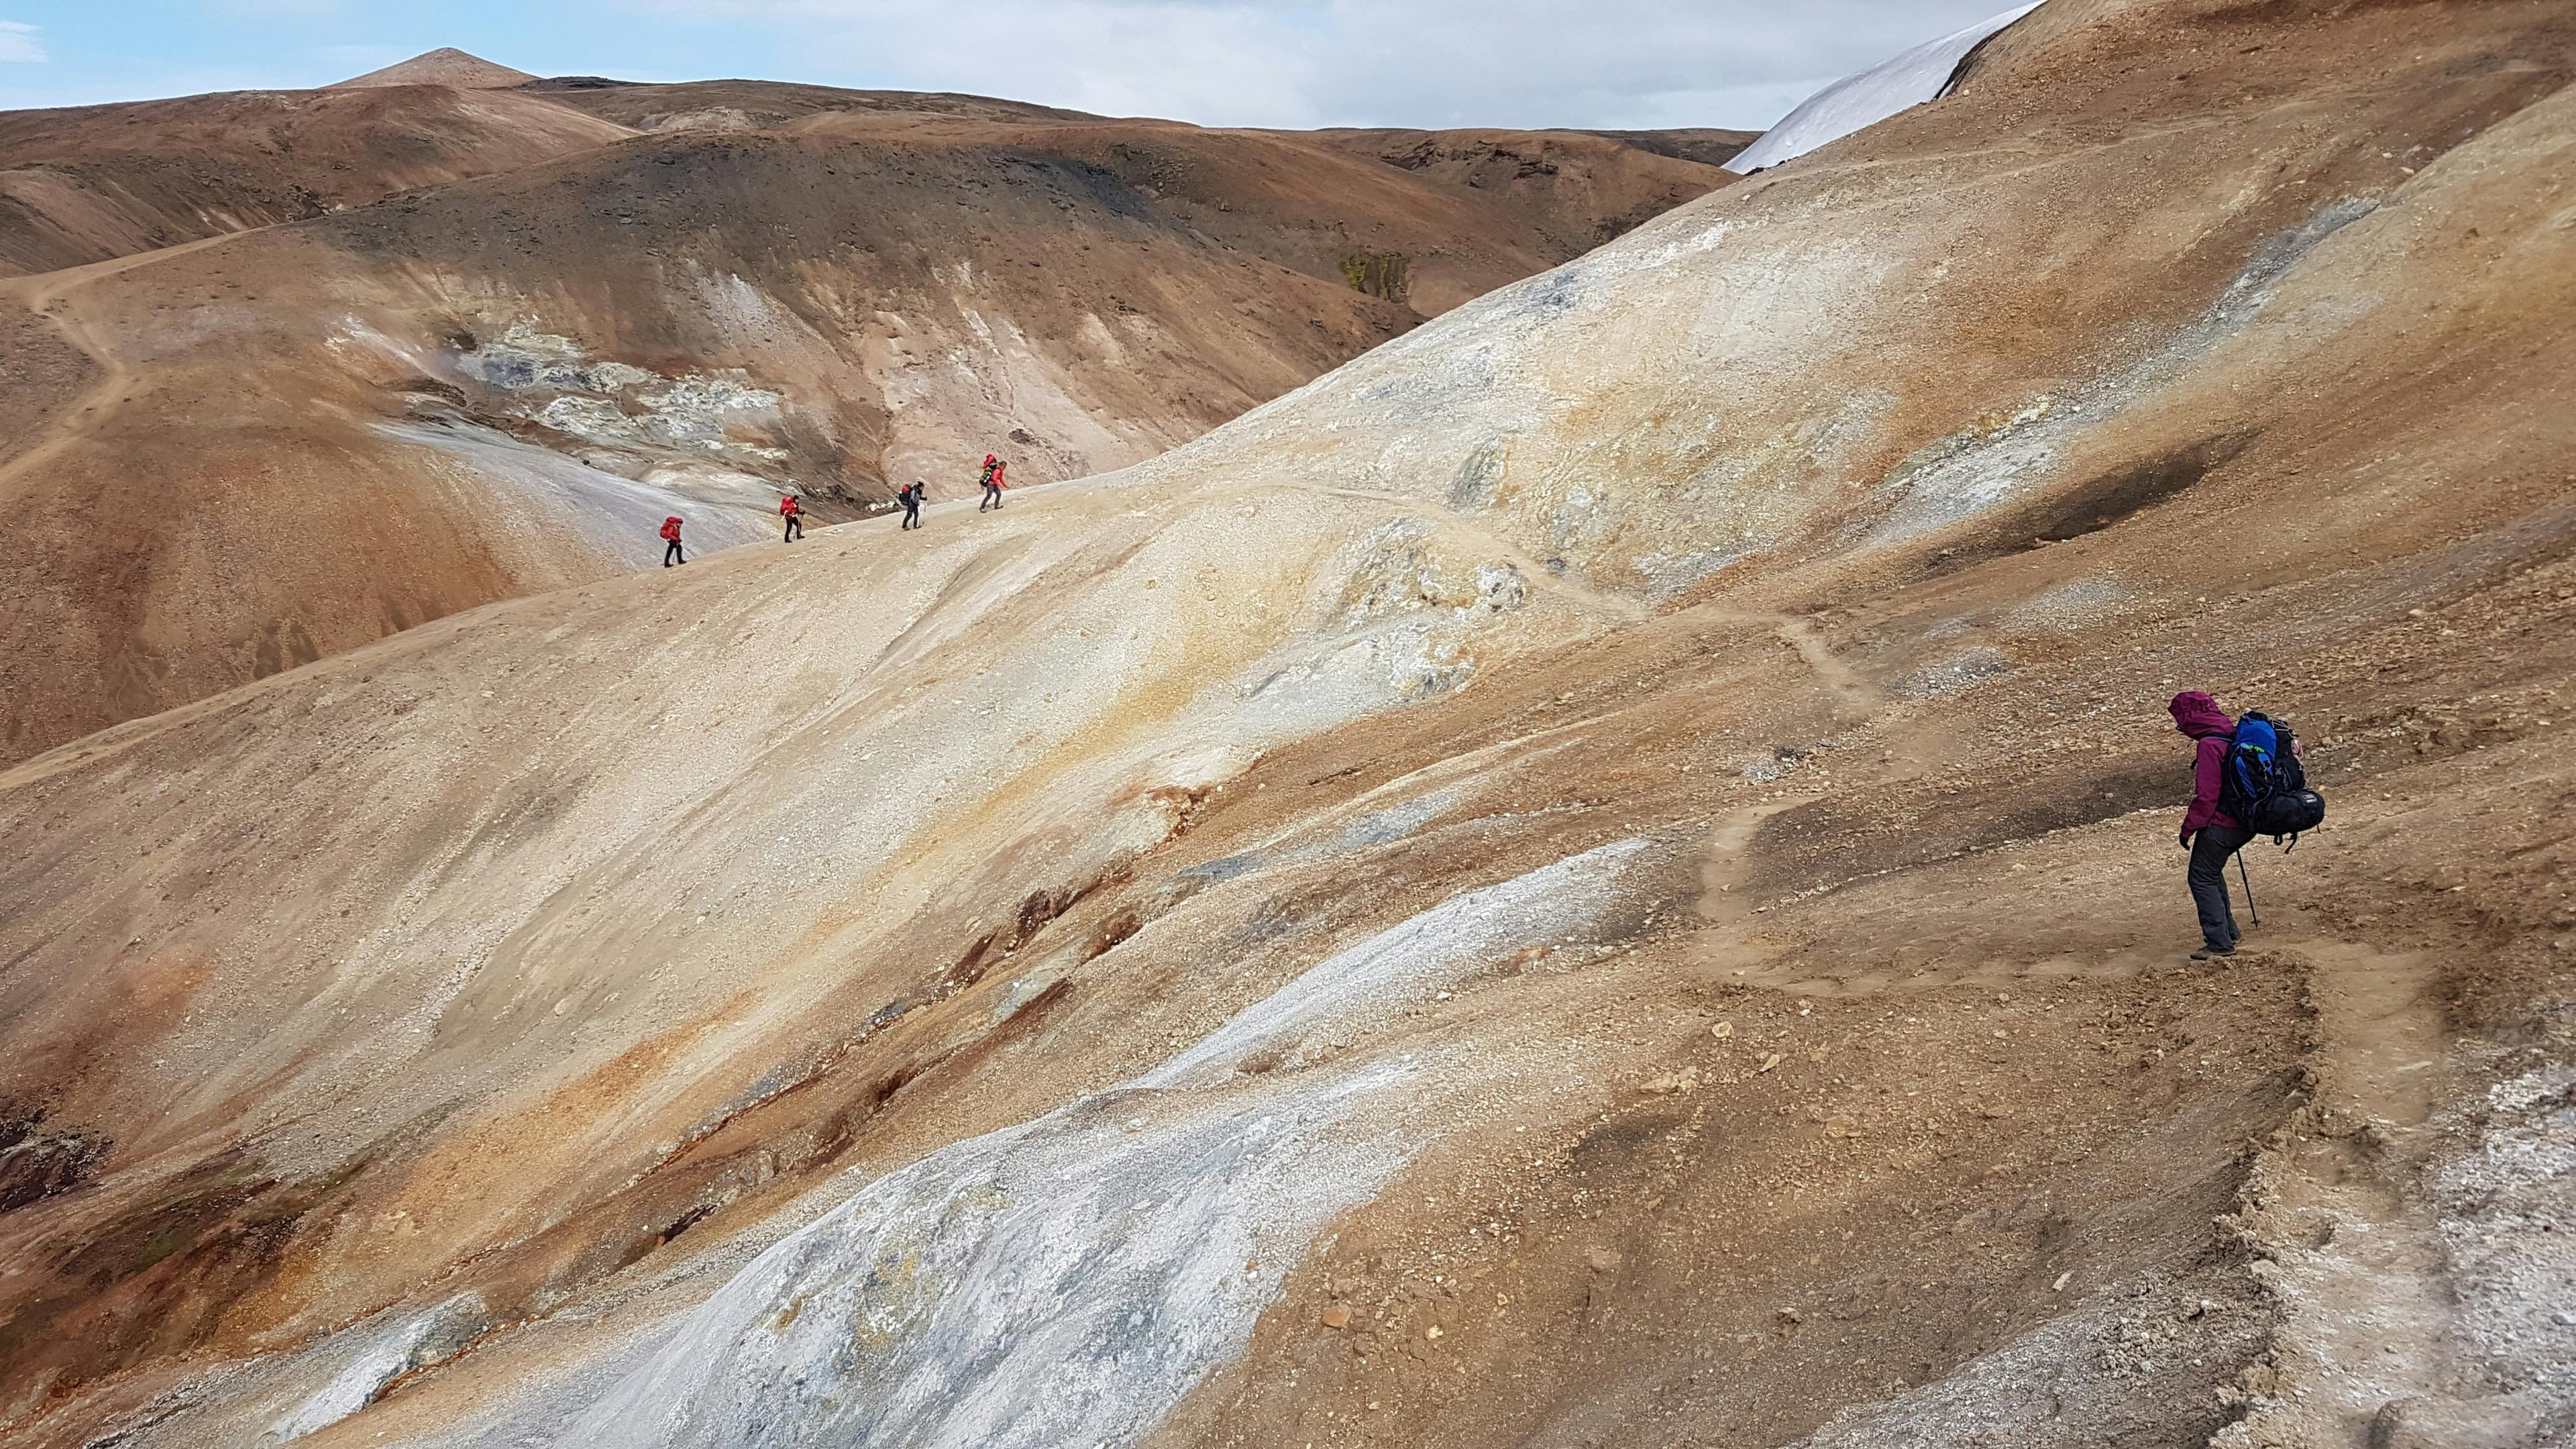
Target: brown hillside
x,y
749,105
1707,145
1583,189
445,66
1569,190
95,182
315,435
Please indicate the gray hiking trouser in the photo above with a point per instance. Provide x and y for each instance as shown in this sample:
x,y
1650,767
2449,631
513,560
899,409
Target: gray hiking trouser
x,y
2210,850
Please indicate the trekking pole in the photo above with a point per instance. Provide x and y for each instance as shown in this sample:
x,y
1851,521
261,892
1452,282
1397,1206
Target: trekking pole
x,y
2249,888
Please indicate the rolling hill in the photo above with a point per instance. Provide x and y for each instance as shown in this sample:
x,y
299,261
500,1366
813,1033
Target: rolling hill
x,y
280,391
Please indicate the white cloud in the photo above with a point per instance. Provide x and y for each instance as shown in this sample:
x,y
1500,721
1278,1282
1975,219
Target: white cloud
x,y
1346,62
18,42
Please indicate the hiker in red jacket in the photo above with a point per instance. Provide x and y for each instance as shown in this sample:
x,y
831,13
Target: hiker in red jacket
x,y
993,484
2209,833
794,513
671,540
911,499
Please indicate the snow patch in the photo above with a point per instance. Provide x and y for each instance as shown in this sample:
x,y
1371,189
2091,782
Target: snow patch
x,y
355,333
1859,101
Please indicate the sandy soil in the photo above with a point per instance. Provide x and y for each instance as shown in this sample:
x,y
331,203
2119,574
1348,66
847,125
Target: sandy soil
x,y
1603,873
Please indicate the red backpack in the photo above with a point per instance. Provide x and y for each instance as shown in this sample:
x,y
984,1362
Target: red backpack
x,y
671,528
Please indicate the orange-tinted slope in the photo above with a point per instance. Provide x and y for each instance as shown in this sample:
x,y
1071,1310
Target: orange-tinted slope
x,y
93,182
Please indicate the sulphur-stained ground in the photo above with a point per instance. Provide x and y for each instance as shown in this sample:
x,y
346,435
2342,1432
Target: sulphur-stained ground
x,y
1604,874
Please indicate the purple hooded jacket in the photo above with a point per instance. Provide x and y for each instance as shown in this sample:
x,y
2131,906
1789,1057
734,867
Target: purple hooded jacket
x,y
2198,715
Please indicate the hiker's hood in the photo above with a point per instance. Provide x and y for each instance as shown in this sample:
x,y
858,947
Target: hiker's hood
x,y
2198,715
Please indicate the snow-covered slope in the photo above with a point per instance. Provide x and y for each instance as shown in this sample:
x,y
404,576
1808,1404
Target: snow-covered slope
x,y
1871,96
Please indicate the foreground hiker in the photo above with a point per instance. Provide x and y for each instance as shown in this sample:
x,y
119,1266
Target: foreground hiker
x,y
671,542
911,498
2246,781
993,484
2209,832
794,513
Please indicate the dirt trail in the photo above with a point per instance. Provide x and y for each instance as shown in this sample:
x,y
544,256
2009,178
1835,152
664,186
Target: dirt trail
x,y
1841,678
2369,1321
49,297
1724,857
1722,864
1858,703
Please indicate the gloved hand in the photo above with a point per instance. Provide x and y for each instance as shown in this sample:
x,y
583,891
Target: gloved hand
x,y
2183,839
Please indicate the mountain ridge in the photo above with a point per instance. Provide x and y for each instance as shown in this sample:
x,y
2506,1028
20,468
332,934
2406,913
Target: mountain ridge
x,y
444,66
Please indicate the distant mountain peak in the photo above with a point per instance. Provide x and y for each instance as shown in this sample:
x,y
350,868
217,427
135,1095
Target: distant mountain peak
x,y
445,66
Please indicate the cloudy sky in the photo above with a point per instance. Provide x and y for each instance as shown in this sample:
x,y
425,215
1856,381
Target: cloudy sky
x,y
1609,63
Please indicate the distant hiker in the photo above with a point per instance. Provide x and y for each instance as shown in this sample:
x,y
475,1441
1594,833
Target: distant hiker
x,y
993,484
671,542
794,513
911,498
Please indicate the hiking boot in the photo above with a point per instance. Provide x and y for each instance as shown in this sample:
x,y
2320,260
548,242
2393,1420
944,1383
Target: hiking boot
x,y
2213,953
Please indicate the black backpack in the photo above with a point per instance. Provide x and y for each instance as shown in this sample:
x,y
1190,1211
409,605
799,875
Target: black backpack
x,y
2261,784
